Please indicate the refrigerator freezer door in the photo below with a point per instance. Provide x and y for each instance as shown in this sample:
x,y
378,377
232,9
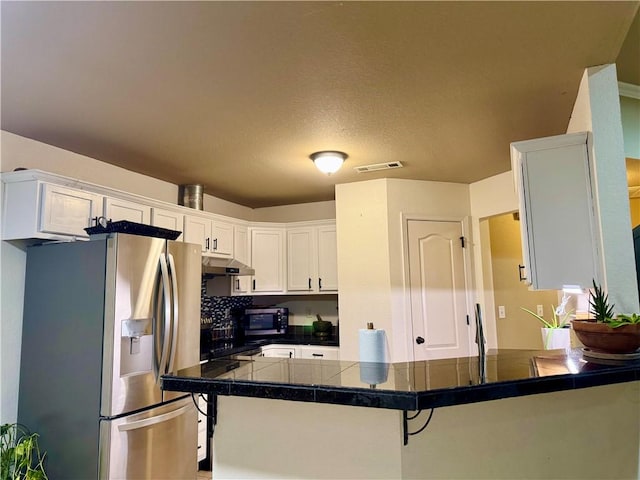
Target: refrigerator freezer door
x,y
160,443
185,267
131,323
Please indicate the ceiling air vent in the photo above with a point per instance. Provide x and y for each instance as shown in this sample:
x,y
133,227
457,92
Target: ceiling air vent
x,y
378,166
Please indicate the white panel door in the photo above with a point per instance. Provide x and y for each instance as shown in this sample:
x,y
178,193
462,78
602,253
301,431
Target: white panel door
x,y
437,289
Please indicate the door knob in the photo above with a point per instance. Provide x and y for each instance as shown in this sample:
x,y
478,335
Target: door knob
x,y
419,340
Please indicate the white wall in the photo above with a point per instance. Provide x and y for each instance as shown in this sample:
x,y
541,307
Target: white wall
x,y
597,110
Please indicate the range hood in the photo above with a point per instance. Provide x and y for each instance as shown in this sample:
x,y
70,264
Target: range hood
x,y
225,267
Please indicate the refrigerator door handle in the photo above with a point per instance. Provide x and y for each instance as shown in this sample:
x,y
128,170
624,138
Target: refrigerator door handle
x,y
153,420
166,320
176,313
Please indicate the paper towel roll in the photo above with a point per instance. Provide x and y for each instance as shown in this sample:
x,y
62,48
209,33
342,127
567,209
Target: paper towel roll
x,y
372,345
374,373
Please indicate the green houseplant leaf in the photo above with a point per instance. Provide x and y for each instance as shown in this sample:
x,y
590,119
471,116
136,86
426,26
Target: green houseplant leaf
x,y
20,456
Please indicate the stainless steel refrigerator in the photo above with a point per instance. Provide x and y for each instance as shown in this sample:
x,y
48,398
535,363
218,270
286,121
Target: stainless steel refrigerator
x,y
103,320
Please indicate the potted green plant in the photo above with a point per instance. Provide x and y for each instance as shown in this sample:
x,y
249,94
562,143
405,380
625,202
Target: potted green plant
x,y
555,332
20,456
606,332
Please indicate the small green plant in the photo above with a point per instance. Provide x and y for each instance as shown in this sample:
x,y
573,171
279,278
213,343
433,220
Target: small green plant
x,y
603,311
20,456
599,302
559,320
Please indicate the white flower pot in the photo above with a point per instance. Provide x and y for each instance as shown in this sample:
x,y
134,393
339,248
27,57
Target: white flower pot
x,y
553,338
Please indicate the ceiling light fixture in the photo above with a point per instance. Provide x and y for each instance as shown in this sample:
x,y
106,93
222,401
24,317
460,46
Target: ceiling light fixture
x,y
328,161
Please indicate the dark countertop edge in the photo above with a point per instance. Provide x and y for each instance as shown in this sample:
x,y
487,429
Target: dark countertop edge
x,y
397,400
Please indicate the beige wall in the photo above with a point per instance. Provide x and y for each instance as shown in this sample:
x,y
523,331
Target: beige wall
x,y
492,196
597,110
296,213
518,329
371,270
363,259
578,434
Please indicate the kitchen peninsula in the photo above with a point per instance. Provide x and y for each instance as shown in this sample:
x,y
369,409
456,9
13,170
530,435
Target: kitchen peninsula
x,y
527,414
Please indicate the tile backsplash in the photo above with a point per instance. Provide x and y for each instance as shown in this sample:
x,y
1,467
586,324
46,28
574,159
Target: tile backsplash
x,y
216,307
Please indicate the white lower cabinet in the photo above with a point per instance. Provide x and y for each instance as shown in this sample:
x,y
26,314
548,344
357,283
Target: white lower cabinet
x,y
279,351
312,352
202,428
318,353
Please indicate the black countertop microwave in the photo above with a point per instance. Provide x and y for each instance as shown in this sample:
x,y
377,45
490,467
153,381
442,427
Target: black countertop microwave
x,y
264,322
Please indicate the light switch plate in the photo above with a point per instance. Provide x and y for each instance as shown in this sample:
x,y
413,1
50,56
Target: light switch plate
x,y
540,310
501,312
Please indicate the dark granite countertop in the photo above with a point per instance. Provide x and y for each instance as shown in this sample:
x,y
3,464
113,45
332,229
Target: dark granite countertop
x,y
403,386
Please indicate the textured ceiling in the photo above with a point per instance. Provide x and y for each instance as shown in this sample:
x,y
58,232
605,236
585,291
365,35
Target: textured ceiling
x,y
236,95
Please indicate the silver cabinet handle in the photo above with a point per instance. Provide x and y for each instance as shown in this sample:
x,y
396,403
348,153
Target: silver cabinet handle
x,y
153,420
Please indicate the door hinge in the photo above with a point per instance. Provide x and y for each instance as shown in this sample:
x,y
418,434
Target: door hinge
x,y
462,241
468,320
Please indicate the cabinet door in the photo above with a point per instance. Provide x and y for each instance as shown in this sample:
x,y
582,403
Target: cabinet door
x,y
278,352
557,218
197,230
241,253
319,353
116,209
221,238
267,259
68,211
327,259
167,219
301,275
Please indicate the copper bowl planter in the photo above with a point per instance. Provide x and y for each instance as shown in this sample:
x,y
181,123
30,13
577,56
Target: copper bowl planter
x,y
600,337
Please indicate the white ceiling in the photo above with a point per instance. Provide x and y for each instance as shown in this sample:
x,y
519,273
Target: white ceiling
x,y
236,95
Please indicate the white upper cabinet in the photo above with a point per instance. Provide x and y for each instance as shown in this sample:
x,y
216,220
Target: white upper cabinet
x,y
557,219
311,259
268,259
215,236
241,284
34,209
167,219
68,211
327,258
116,209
